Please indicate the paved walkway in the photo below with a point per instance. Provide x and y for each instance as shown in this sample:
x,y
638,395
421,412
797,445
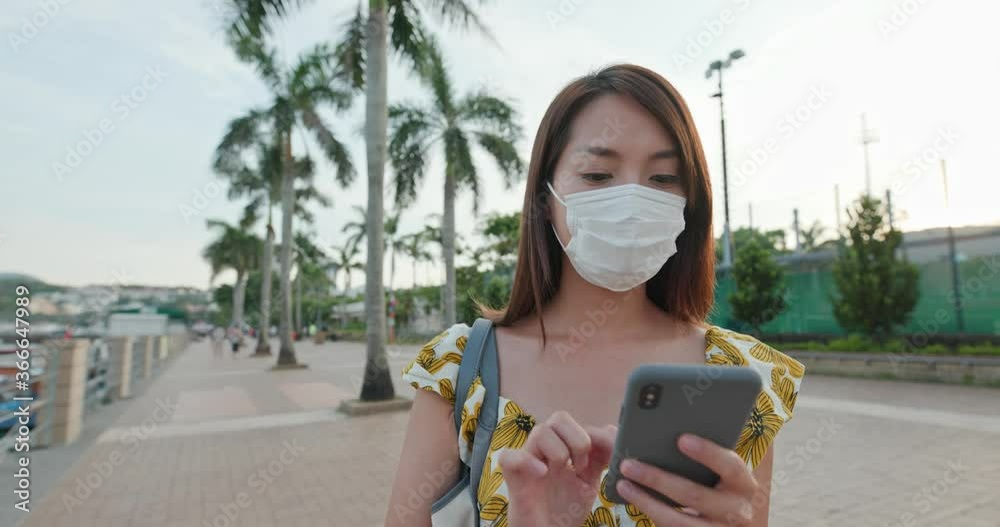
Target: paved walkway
x,y
225,442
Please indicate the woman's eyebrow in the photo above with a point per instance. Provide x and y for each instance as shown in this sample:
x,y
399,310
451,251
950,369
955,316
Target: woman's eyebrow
x,y
669,153
600,151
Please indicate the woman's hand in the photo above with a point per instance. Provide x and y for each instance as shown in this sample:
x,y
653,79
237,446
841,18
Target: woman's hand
x,y
554,478
729,503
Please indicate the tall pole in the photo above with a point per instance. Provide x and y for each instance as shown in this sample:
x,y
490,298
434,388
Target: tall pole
x,y
728,254
717,67
836,203
888,207
952,255
750,210
868,137
795,225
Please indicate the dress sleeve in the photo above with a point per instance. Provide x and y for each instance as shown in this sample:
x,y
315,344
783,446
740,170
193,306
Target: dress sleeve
x,y
435,367
781,378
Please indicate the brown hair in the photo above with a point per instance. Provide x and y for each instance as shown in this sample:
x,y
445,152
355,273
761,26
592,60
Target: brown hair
x,y
684,285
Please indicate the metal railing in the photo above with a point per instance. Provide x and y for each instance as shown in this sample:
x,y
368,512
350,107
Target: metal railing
x,y
43,372
138,360
102,383
98,362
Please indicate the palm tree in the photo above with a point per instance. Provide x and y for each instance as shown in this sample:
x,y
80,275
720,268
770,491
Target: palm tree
x,y
454,123
261,182
234,249
298,91
310,260
414,246
364,54
344,260
357,229
810,236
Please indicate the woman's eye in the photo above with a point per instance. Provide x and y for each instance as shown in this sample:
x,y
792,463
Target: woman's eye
x,y
666,179
596,176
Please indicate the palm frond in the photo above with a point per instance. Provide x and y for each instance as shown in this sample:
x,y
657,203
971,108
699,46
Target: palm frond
x,y
406,31
459,165
490,112
241,134
334,150
434,74
314,79
350,51
411,130
256,18
254,51
504,152
460,14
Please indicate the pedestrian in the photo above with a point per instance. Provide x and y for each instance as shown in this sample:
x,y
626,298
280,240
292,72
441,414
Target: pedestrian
x,y
217,336
234,338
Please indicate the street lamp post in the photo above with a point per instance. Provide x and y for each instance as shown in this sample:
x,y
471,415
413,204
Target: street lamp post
x,y
717,67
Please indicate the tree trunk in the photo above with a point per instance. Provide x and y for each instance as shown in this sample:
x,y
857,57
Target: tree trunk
x,y
298,301
286,353
264,334
239,297
448,248
377,384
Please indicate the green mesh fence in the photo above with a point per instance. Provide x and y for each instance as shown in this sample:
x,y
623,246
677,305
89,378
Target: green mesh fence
x,y
810,311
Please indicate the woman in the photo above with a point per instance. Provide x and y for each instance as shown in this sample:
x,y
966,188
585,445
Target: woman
x,y
615,270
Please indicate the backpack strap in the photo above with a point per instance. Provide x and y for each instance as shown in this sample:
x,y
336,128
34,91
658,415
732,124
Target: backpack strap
x,y
469,368
488,412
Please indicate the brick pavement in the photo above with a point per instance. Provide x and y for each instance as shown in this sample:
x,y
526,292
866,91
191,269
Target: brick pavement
x,y
227,442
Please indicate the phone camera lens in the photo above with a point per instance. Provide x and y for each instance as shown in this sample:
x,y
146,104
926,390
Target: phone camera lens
x,y
649,396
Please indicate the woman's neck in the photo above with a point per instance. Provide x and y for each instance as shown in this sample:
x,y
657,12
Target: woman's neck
x,y
578,302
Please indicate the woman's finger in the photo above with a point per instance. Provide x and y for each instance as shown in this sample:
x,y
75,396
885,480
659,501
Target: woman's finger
x,y
519,465
659,512
602,445
712,503
544,443
730,467
576,439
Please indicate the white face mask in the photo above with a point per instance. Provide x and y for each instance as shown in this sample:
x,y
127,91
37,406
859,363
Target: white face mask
x,y
621,235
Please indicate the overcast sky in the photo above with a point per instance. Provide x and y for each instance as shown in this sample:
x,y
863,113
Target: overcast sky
x,y
926,73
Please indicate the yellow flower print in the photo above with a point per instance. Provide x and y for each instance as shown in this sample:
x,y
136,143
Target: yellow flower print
x,y
601,517
493,506
784,388
429,360
470,421
765,353
446,389
725,354
512,429
759,431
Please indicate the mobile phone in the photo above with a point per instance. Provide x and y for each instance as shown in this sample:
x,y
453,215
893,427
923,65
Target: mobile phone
x,y
664,401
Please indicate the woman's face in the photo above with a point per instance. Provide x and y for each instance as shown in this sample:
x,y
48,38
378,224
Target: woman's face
x,y
614,141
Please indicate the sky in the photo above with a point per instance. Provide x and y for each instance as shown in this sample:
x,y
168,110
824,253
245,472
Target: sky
x,y
147,88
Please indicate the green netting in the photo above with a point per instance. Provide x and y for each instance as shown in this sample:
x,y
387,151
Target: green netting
x,y
809,309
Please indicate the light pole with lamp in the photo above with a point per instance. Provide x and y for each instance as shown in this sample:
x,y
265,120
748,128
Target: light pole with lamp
x,y
718,66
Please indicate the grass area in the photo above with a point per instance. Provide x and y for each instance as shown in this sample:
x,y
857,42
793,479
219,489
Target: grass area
x,y
860,344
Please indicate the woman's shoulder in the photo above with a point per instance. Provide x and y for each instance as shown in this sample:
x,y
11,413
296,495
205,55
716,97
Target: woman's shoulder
x,y
743,349
781,375
435,368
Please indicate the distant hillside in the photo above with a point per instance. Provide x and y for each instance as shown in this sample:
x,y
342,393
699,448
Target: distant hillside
x,y
18,277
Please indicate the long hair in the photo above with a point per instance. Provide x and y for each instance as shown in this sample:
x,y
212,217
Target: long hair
x,y
683,287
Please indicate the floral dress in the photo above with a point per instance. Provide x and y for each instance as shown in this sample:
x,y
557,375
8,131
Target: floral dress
x,y
436,369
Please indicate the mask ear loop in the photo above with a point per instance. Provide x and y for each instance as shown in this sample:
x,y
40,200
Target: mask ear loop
x,y
553,192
